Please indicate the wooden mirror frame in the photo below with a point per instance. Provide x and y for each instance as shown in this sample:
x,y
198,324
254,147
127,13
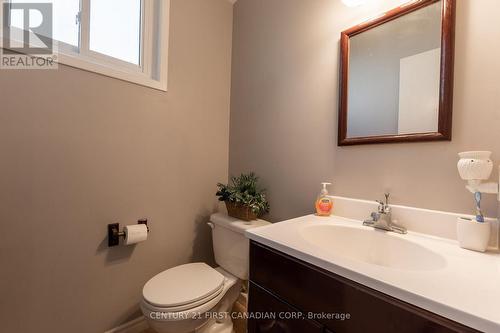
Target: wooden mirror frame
x,y
448,13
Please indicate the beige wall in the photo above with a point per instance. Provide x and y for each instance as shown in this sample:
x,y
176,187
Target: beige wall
x,y
79,150
284,108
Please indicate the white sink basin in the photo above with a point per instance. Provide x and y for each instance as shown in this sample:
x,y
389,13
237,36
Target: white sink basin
x,y
372,246
428,271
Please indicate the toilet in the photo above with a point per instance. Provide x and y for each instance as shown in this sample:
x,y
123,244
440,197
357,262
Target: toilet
x,y
196,297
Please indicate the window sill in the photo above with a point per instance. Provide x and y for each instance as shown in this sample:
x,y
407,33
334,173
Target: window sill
x,y
133,75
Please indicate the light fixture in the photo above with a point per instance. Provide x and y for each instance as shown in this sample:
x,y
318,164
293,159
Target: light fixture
x,y
353,3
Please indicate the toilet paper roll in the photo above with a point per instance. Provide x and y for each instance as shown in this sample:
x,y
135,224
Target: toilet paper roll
x,y
135,234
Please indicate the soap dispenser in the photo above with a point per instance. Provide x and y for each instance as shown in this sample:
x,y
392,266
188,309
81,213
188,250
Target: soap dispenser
x,y
324,203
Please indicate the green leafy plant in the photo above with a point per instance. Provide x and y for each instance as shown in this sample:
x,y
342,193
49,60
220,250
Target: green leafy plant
x,y
243,190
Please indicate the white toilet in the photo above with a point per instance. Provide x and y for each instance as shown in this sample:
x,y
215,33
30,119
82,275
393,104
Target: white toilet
x,y
196,297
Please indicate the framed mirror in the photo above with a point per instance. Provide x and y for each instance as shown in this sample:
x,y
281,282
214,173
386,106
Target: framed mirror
x,y
396,76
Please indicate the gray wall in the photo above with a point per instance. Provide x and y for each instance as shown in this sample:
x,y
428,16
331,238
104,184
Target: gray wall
x,y
374,69
79,150
284,109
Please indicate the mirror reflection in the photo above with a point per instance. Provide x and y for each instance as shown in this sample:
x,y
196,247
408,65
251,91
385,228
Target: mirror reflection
x,y
394,76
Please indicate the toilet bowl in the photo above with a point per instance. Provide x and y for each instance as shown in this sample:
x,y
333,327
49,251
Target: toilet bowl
x,y
191,298
196,297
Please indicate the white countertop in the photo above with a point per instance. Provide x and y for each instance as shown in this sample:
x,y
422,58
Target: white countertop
x,y
466,289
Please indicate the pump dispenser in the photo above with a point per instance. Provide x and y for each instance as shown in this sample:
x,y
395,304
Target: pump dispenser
x,y
324,203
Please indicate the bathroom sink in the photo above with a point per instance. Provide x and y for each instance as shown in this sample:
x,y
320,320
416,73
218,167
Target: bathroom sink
x,y
372,246
424,267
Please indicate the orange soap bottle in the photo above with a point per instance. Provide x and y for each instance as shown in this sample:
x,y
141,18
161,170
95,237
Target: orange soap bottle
x,y
324,203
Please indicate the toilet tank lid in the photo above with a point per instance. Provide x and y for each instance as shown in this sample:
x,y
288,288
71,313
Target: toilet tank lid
x,y
235,224
182,285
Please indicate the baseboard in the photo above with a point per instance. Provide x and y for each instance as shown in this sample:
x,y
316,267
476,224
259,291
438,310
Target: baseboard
x,y
134,326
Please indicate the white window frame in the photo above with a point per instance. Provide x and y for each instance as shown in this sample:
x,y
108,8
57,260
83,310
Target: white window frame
x,y
142,74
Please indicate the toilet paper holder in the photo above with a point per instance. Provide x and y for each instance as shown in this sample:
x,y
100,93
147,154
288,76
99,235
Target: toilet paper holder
x,y
114,232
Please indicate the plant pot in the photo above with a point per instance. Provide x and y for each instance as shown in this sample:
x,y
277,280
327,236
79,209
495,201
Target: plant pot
x,y
239,211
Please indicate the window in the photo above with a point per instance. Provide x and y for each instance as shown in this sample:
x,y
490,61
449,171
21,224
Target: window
x,y
125,39
64,25
116,30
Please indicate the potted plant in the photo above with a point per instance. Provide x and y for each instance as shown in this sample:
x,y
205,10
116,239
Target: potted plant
x,y
242,197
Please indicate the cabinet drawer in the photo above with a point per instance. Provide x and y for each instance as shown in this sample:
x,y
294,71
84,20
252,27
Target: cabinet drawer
x,y
271,315
315,290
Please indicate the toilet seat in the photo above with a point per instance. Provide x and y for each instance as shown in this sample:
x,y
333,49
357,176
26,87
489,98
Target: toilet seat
x,y
176,314
183,287
208,300
194,309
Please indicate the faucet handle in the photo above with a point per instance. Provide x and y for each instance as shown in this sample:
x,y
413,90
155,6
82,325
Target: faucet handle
x,y
381,206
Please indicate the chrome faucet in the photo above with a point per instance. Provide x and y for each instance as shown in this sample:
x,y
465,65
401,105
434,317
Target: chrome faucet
x,y
382,219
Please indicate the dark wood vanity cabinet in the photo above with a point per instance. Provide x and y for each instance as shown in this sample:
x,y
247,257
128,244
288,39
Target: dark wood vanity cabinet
x,y
265,303
288,295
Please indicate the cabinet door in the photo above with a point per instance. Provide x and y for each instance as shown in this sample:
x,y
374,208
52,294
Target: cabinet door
x,y
314,290
268,314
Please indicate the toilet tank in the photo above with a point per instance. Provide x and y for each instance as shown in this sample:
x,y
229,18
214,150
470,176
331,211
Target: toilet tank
x,y
231,247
